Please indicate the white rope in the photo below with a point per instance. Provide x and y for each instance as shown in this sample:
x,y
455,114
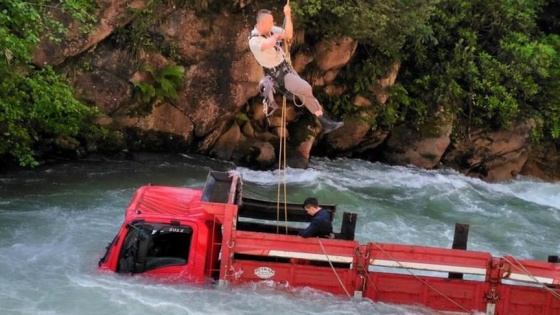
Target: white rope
x,y
424,282
338,277
522,268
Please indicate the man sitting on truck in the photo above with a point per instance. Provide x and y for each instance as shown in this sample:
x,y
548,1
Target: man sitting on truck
x,y
321,224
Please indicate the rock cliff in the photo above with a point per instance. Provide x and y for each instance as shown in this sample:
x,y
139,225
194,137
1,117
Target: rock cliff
x,y
218,110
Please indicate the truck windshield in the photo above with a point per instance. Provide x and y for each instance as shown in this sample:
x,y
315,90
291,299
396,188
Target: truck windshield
x,y
151,246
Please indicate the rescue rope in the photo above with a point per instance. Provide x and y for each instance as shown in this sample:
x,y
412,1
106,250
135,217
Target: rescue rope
x,y
423,282
282,155
333,269
365,269
282,172
522,268
338,277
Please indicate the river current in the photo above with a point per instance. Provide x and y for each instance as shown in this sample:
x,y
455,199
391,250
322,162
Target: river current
x,y
56,221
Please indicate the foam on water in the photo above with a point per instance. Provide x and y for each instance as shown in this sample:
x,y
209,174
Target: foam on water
x,y
291,176
55,223
419,206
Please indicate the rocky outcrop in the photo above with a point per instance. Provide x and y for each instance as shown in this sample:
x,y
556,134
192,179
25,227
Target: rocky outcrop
x,y
356,135
543,164
422,147
349,137
234,145
331,56
110,15
493,156
218,111
380,90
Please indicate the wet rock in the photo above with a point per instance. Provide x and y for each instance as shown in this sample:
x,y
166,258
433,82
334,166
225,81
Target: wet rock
x,y
408,146
225,146
492,155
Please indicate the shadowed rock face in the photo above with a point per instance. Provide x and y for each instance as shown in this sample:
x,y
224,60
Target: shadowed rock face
x,y
110,15
220,113
493,156
407,146
544,164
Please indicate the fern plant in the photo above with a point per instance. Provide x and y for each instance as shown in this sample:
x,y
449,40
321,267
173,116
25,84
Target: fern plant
x,y
160,86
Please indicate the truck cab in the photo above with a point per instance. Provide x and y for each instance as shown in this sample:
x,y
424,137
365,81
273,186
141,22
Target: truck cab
x,y
182,233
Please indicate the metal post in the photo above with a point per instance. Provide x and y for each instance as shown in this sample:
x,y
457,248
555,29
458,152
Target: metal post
x,y
459,242
348,227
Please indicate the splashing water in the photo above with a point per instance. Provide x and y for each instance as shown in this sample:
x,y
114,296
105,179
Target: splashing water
x,y
56,221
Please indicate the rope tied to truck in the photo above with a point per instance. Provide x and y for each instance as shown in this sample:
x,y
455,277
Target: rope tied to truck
x,y
517,264
420,279
337,276
365,268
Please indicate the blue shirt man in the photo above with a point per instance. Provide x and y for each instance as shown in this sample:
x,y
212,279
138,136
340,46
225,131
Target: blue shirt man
x,y
320,224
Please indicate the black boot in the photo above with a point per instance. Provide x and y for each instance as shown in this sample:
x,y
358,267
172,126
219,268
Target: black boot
x,y
329,125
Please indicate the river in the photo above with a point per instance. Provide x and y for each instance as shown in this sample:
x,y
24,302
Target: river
x,y
55,222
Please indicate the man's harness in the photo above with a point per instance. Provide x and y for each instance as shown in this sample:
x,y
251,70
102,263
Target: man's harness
x,y
274,80
278,74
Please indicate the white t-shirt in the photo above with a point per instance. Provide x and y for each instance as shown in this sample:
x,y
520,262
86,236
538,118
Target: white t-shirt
x,y
270,57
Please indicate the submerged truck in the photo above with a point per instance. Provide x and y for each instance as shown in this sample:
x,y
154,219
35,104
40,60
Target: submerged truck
x,y
217,235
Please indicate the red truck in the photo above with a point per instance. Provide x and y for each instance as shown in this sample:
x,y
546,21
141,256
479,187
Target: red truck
x,y
215,234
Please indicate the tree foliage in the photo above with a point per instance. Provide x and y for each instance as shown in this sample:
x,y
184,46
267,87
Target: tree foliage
x,y
487,63
383,24
490,66
35,103
161,85
382,29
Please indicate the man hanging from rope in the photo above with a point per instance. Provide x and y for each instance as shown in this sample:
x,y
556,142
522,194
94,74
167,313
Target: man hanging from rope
x,y
263,42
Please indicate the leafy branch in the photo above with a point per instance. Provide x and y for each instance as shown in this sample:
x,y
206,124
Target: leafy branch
x,y
161,85
36,104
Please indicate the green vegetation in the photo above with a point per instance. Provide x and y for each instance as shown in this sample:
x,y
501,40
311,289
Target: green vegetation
x,y
35,103
491,65
160,86
382,29
486,63
482,63
137,36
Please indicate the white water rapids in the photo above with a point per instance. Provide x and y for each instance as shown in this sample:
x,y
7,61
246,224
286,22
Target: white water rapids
x,y
56,221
